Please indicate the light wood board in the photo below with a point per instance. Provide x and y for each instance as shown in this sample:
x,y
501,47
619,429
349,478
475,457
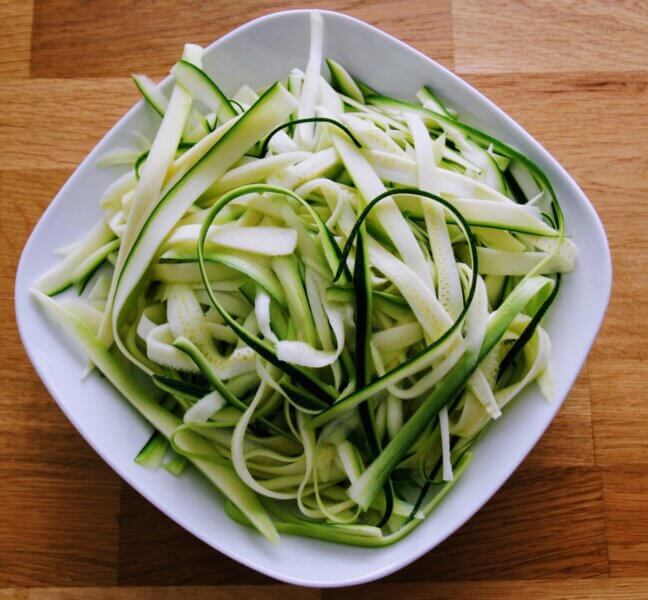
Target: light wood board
x,y
571,523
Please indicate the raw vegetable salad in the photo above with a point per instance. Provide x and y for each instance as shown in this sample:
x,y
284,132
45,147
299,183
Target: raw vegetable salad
x,y
319,295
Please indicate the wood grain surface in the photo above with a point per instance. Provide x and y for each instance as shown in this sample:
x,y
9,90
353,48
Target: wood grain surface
x,y
572,523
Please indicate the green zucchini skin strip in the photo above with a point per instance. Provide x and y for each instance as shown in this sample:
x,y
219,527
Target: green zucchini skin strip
x,y
220,475
363,306
146,194
155,98
196,355
343,82
395,192
176,465
270,285
337,293
364,88
211,94
137,166
147,97
341,534
363,310
275,104
341,126
185,393
368,391
502,225
428,93
265,350
481,137
364,490
63,275
87,268
237,105
152,453
529,330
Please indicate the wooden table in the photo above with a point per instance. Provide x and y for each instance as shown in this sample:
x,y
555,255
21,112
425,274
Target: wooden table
x,y
571,523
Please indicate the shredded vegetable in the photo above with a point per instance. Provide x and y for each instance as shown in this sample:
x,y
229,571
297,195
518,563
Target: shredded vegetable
x,y
318,295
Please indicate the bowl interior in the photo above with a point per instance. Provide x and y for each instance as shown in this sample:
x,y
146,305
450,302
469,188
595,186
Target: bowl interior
x,y
257,54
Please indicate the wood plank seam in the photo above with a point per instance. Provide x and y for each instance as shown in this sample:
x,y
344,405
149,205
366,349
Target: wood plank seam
x,y
600,477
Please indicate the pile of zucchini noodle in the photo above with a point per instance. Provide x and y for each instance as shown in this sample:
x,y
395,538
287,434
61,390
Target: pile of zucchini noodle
x,y
318,295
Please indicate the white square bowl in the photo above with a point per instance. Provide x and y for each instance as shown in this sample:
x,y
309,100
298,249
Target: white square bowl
x,y
258,53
